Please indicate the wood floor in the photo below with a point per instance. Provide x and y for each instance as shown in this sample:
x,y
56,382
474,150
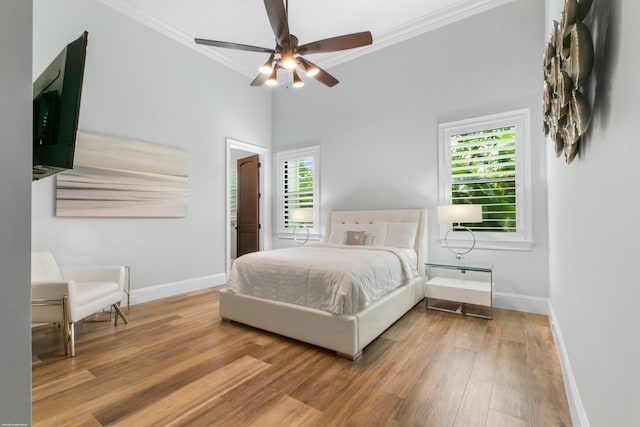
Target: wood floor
x,y
177,363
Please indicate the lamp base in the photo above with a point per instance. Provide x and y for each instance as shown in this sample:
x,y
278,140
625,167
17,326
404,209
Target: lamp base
x,y
460,254
295,238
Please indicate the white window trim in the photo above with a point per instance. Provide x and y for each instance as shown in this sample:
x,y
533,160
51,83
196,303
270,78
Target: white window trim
x,y
521,239
314,232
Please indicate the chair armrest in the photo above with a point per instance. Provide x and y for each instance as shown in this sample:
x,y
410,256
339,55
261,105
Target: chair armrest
x,y
51,290
107,273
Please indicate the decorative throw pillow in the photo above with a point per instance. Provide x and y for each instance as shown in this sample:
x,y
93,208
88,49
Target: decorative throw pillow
x,y
369,239
353,237
377,230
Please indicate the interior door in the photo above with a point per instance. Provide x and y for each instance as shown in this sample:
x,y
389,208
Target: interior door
x,y
248,205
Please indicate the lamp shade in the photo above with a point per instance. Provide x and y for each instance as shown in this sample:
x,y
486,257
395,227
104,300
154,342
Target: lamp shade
x,y
297,81
301,215
273,78
267,68
448,214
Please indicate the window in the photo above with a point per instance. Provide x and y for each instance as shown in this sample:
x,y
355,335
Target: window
x,y
233,194
298,191
485,161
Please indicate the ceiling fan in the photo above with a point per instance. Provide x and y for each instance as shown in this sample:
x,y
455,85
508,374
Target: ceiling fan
x,y
288,54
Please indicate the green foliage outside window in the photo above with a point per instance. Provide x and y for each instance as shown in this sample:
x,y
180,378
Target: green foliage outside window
x,y
298,187
483,171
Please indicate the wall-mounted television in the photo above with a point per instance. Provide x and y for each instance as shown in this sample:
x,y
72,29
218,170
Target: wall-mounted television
x,y
56,110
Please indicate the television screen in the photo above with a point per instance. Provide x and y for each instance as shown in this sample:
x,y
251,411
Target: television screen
x,y
56,110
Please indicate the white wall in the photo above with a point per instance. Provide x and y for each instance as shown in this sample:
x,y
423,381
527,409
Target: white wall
x,y
378,128
593,238
15,229
142,85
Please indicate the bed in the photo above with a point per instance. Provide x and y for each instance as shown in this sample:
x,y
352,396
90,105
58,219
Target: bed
x,y
345,327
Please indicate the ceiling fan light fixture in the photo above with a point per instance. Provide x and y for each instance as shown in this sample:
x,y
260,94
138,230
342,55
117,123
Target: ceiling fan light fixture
x,y
310,70
273,78
297,81
288,53
267,68
288,62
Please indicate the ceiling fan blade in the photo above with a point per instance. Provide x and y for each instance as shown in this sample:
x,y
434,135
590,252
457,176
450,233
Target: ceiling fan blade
x,y
326,78
333,44
236,46
260,79
322,76
279,21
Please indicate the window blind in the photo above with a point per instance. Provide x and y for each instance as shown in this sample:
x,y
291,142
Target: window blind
x,y
483,171
233,192
298,187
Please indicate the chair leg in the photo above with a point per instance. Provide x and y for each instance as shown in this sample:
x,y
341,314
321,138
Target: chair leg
x,y
119,312
65,324
72,340
68,331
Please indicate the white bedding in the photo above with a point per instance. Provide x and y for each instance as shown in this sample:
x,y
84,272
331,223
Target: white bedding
x,y
339,279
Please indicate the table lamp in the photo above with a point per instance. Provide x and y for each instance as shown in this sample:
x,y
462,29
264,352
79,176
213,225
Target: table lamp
x,y
301,217
457,214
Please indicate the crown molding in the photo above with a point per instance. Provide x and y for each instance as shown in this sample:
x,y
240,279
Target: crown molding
x,y
452,13
448,15
168,30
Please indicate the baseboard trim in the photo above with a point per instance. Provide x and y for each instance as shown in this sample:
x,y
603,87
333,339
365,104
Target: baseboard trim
x,y
521,302
578,414
164,290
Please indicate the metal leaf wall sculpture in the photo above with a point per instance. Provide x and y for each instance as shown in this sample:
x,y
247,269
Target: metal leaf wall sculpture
x,y
568,60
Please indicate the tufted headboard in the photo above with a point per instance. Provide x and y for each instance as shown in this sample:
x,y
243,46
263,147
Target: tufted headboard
x,y
391,215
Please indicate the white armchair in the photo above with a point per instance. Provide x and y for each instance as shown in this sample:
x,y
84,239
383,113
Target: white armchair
x,y
68,295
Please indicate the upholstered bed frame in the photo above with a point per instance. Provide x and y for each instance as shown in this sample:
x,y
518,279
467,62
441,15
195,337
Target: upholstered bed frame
x,y
345,334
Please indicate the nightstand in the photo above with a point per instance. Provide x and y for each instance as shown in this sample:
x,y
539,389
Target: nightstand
x,y
471,297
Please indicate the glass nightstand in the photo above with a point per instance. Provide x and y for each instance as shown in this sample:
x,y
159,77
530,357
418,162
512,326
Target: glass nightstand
x,y
470,296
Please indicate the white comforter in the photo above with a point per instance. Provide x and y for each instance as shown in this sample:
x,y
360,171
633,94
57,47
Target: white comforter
x,y
339,279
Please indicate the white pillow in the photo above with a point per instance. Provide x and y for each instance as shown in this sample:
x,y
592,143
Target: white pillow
x,y
377,231
401,234
337,233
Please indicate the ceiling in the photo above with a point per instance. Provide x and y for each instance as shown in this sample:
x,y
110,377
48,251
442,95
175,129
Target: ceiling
x,y
246,22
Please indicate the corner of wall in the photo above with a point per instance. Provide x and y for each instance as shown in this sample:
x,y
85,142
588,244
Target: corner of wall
x,y
578,413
